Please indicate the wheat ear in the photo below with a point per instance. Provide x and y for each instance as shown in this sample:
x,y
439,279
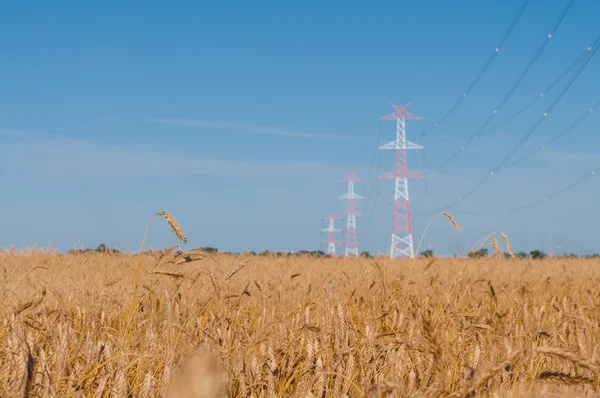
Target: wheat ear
x,y
507,245
497,251
452,221
563,378
570,356
174,225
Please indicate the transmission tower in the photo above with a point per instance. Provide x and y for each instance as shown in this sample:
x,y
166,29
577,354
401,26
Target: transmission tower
x,y
332,230
402,239
351,248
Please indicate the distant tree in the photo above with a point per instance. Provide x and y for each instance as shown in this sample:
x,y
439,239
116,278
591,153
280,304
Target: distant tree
x,y
521,255
427,253
570,255
366,254
537,254
209,249
478,253
312,253
102,248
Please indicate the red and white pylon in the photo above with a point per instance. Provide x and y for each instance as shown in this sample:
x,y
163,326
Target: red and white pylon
x,y
402,238
351,248
332,230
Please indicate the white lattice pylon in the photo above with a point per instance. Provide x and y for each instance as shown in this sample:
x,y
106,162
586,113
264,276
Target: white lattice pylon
x,y
351,248
402,238
332,230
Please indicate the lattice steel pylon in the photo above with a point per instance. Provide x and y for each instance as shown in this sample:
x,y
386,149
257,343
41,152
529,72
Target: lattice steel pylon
x,y
332,230
402,238
351,248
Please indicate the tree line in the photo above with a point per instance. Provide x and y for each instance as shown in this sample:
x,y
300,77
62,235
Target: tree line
x,y
480,253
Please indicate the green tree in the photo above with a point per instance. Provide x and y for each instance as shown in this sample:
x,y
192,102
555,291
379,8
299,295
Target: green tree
x,y
537,254
102,248
478,253
427,253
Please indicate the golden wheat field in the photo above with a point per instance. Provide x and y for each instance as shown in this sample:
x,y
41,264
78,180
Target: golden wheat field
x,y
194,324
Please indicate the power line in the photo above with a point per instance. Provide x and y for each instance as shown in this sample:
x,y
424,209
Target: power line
x,y
562,133
371,176
482,70
536,202
510,92
374,184
507,157
535,100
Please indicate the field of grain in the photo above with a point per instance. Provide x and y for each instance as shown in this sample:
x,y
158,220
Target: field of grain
x,y
236,326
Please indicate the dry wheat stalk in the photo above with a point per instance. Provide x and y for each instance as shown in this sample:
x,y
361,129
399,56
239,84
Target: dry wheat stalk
x,y
563,378
235,269
147,386
498,367
174,225
188,257
381,389
429,264
452,221
23,364
570,356
102,385
497,251
167,273
215,284
348,375
507,246
431,338
167,252
120,386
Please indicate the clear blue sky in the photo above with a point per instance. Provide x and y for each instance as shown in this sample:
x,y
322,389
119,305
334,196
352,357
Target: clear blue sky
x,y
240,119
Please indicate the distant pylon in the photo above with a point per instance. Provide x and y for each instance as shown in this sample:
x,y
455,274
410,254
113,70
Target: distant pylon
x,y
332,230
402,238
351,248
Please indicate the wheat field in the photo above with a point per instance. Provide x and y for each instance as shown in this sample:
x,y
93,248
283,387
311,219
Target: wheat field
x,y
223,325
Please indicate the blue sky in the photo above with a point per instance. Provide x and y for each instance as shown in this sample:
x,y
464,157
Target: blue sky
x,y
241,118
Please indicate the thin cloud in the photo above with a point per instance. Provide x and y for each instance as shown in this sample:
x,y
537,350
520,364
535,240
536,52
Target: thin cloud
x,y
83,158
249,128
14,133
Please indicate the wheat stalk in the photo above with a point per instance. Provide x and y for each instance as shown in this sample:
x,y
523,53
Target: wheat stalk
x,y
452,221
166,252
147,386
235,269
429,264
497,251
179,232
507,246
174,225
563,378
215,284
499,366
570,356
